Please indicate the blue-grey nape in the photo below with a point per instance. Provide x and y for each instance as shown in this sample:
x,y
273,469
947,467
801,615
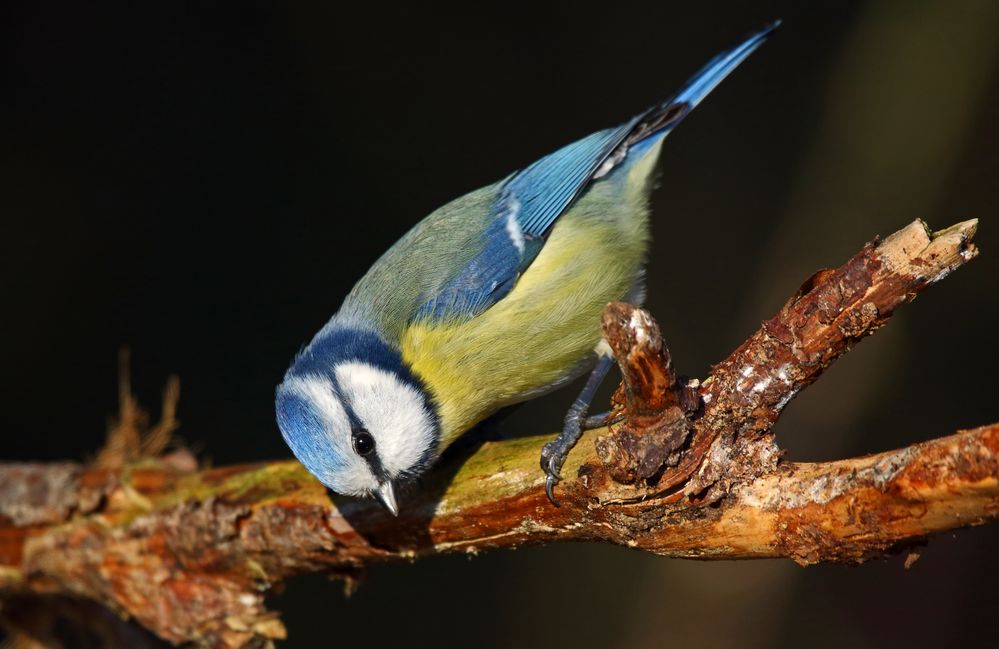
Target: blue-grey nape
x,y
340,343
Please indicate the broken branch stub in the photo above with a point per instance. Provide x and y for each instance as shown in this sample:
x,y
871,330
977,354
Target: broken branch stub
x,y
646,367
656,402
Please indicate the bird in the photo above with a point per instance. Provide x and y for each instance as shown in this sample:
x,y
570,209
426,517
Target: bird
x,y
493,299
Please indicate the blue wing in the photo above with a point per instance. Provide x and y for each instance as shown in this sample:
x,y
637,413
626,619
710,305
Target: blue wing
x,y
531,200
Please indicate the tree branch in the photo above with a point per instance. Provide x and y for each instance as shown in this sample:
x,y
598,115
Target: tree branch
x,y
693,471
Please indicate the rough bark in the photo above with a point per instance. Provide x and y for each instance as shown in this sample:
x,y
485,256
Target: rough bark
x,y
692,470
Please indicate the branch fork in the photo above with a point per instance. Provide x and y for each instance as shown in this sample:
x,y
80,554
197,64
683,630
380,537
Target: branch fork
x,y
705,437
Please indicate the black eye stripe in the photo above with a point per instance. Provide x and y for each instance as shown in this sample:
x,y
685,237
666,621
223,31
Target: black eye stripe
x,y
364,446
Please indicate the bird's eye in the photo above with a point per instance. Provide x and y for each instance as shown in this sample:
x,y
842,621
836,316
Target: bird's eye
x,y
364,443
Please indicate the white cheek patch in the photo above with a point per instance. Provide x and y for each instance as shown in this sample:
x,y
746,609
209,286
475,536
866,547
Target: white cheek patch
x,y
351,474
394,413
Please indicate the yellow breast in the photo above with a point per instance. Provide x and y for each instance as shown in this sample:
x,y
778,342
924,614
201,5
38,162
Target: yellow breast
x,y
549,323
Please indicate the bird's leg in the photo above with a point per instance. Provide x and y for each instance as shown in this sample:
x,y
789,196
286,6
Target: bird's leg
x,y
554,452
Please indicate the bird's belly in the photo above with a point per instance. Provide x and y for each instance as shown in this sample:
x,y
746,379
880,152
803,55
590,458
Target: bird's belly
x,y
544,330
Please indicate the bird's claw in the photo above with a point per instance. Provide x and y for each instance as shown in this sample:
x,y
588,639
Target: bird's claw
x,y
552,458
550,482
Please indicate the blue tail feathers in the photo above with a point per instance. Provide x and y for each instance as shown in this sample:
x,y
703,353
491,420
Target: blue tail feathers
x,y
702,83
662,118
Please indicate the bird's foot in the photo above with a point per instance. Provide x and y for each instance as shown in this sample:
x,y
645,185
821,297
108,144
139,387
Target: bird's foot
x,y
554,453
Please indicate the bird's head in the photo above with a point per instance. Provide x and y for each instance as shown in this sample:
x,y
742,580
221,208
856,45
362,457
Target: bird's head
x,y
359,427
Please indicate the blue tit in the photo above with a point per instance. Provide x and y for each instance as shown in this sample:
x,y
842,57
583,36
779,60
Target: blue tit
x,y
491,300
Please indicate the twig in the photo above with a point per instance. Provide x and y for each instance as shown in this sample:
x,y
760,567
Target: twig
x,y
130,437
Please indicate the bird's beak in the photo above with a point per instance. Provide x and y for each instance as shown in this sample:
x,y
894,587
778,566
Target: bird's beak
x,y
386,494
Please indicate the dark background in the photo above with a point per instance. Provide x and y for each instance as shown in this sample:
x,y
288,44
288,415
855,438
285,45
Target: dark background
x,y
205,183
